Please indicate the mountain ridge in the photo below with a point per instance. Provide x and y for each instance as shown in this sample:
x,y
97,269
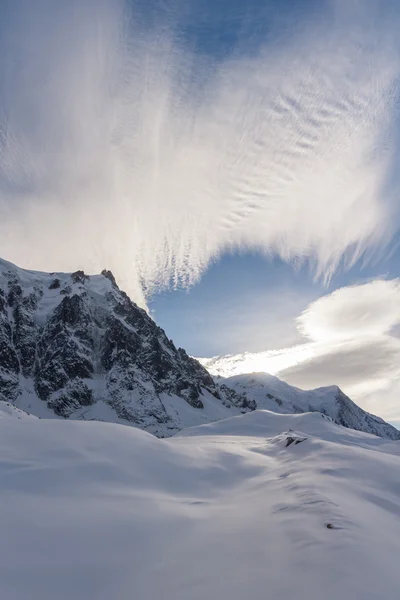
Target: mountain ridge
x,y
271,393
75,346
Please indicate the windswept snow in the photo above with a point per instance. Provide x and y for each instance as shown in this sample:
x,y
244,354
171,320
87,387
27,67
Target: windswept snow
x,y
94,511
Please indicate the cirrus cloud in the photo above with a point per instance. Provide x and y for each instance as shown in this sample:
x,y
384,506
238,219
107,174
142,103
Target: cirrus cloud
x,y
121,147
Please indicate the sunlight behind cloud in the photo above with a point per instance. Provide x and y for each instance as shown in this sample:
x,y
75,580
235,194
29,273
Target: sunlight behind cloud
x,y
121,148
353,311
270,361
352,344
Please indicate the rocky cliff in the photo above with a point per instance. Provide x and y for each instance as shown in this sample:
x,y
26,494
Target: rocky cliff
x,y
75,346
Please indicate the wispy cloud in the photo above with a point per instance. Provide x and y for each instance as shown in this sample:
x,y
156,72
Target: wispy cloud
x,y
121,148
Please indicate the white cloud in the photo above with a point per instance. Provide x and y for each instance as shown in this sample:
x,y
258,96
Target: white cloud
x,y
121,149
354,347
385,401
349,312
270,361
350,346
358,366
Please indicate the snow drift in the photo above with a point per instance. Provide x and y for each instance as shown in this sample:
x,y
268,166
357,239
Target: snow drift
x,y
94,511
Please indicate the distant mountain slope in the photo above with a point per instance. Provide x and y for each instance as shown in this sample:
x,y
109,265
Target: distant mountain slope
x,y
273,394
75,346
225,511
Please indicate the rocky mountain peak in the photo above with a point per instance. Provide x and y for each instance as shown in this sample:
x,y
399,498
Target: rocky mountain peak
x,y
76,346
110,276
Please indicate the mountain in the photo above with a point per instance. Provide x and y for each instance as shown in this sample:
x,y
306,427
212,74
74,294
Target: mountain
x,y
271,393
229,510
75,346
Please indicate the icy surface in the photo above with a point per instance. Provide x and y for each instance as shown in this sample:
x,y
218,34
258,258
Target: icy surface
x,y
93,511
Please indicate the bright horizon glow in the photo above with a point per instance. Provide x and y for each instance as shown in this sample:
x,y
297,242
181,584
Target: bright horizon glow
x,y
270,361
352,343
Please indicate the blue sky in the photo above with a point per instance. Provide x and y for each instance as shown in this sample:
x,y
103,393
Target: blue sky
x,y
244,302
248,302
203,150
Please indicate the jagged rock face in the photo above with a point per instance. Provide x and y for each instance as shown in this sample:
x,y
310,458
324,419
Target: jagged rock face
x,y
74,346
77,346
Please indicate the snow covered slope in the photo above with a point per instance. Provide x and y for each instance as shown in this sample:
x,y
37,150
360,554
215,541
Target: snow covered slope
x,y
75,346
258,506
271,393
8,410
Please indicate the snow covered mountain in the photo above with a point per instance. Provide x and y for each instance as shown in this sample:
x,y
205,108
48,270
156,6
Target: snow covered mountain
x,y
271,393
76,346
257,506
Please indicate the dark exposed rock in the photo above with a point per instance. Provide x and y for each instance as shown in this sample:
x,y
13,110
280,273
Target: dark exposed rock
x,y
55,284
8,356
24,336
9,387
239,400
79,348
69,311
91,345
14,294
294,440
272,397
79,277
109,276
75,395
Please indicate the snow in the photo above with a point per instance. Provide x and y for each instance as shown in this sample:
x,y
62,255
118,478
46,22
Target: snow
x,y
127,391
29,402
29,280
185,415
271,393
93,511
8,410
119,395
259,384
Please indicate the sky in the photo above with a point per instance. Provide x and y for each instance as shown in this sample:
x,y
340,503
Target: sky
x,y
233,163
